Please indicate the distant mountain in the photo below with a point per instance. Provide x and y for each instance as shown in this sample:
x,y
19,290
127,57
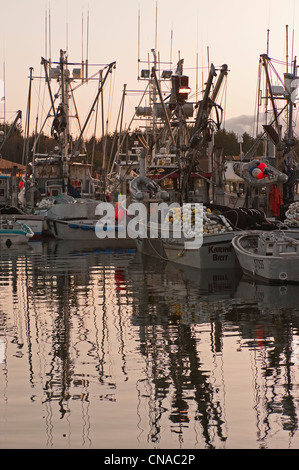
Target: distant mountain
x,y
241,124
247,123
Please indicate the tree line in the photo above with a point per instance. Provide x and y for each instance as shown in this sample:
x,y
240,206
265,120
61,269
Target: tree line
x,y
14,149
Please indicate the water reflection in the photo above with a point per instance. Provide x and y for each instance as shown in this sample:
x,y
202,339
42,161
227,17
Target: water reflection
x,y
109,350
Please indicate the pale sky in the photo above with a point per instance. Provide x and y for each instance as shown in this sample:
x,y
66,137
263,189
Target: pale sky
x,y
233,31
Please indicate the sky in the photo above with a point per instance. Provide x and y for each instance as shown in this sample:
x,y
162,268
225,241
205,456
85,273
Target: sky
x,y
232,32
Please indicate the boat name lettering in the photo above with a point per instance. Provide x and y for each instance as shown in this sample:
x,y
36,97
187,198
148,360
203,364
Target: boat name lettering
x,y
220,249
258,263
219,257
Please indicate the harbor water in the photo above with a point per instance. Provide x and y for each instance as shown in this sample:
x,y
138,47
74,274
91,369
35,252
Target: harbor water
x,y
105,349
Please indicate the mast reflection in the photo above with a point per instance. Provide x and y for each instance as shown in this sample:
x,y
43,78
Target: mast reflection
x,y
111,339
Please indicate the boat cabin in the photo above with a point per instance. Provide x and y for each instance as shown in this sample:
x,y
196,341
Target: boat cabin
x,y
4,189
48,175
276,245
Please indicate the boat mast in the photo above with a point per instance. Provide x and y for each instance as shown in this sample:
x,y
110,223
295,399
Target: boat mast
x,y
201,128
65,115
26,143
153,91
110,67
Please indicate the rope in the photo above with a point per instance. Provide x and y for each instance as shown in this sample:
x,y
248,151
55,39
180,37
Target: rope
x,y
140,222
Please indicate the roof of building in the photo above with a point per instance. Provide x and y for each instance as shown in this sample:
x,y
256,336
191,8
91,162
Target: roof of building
x,y
8,165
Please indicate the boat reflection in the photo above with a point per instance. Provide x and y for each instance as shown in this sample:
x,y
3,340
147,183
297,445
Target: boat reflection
x,y
121,351
273,297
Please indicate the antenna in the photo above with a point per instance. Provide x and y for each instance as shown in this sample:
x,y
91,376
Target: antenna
x,y
171,40
49,36
4,99
156,29
87,34
292,45
202,56
46,34
196,84
196,78
67,29
293,30
138,52
82,59
267,91
287,47
208,56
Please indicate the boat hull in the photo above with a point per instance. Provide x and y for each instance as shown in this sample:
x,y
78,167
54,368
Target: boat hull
x,y
35,222
216,251
9,240
269,270
84,230
276,269
14,234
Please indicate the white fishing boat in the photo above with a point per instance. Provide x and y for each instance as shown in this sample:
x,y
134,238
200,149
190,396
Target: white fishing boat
x,y
259,176
34,221
57,182
102,235
173,165
216,251
9,207
13,233
242,181
269,256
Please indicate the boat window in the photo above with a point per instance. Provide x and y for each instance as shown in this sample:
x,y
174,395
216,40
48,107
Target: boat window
x,y
234,187
55,192
47,171
53,189
168,183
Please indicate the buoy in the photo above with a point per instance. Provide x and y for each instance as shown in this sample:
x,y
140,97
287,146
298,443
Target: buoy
x,y
260,171
262,166
118,213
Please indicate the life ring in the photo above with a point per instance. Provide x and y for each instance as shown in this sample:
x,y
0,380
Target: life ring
x,y
283,276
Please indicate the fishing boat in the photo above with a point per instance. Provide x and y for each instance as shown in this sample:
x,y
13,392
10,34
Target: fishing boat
x,y
184,181
93,231
274,146
10,209
59,184
192,150
162,123
13,233
269,256
9,181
